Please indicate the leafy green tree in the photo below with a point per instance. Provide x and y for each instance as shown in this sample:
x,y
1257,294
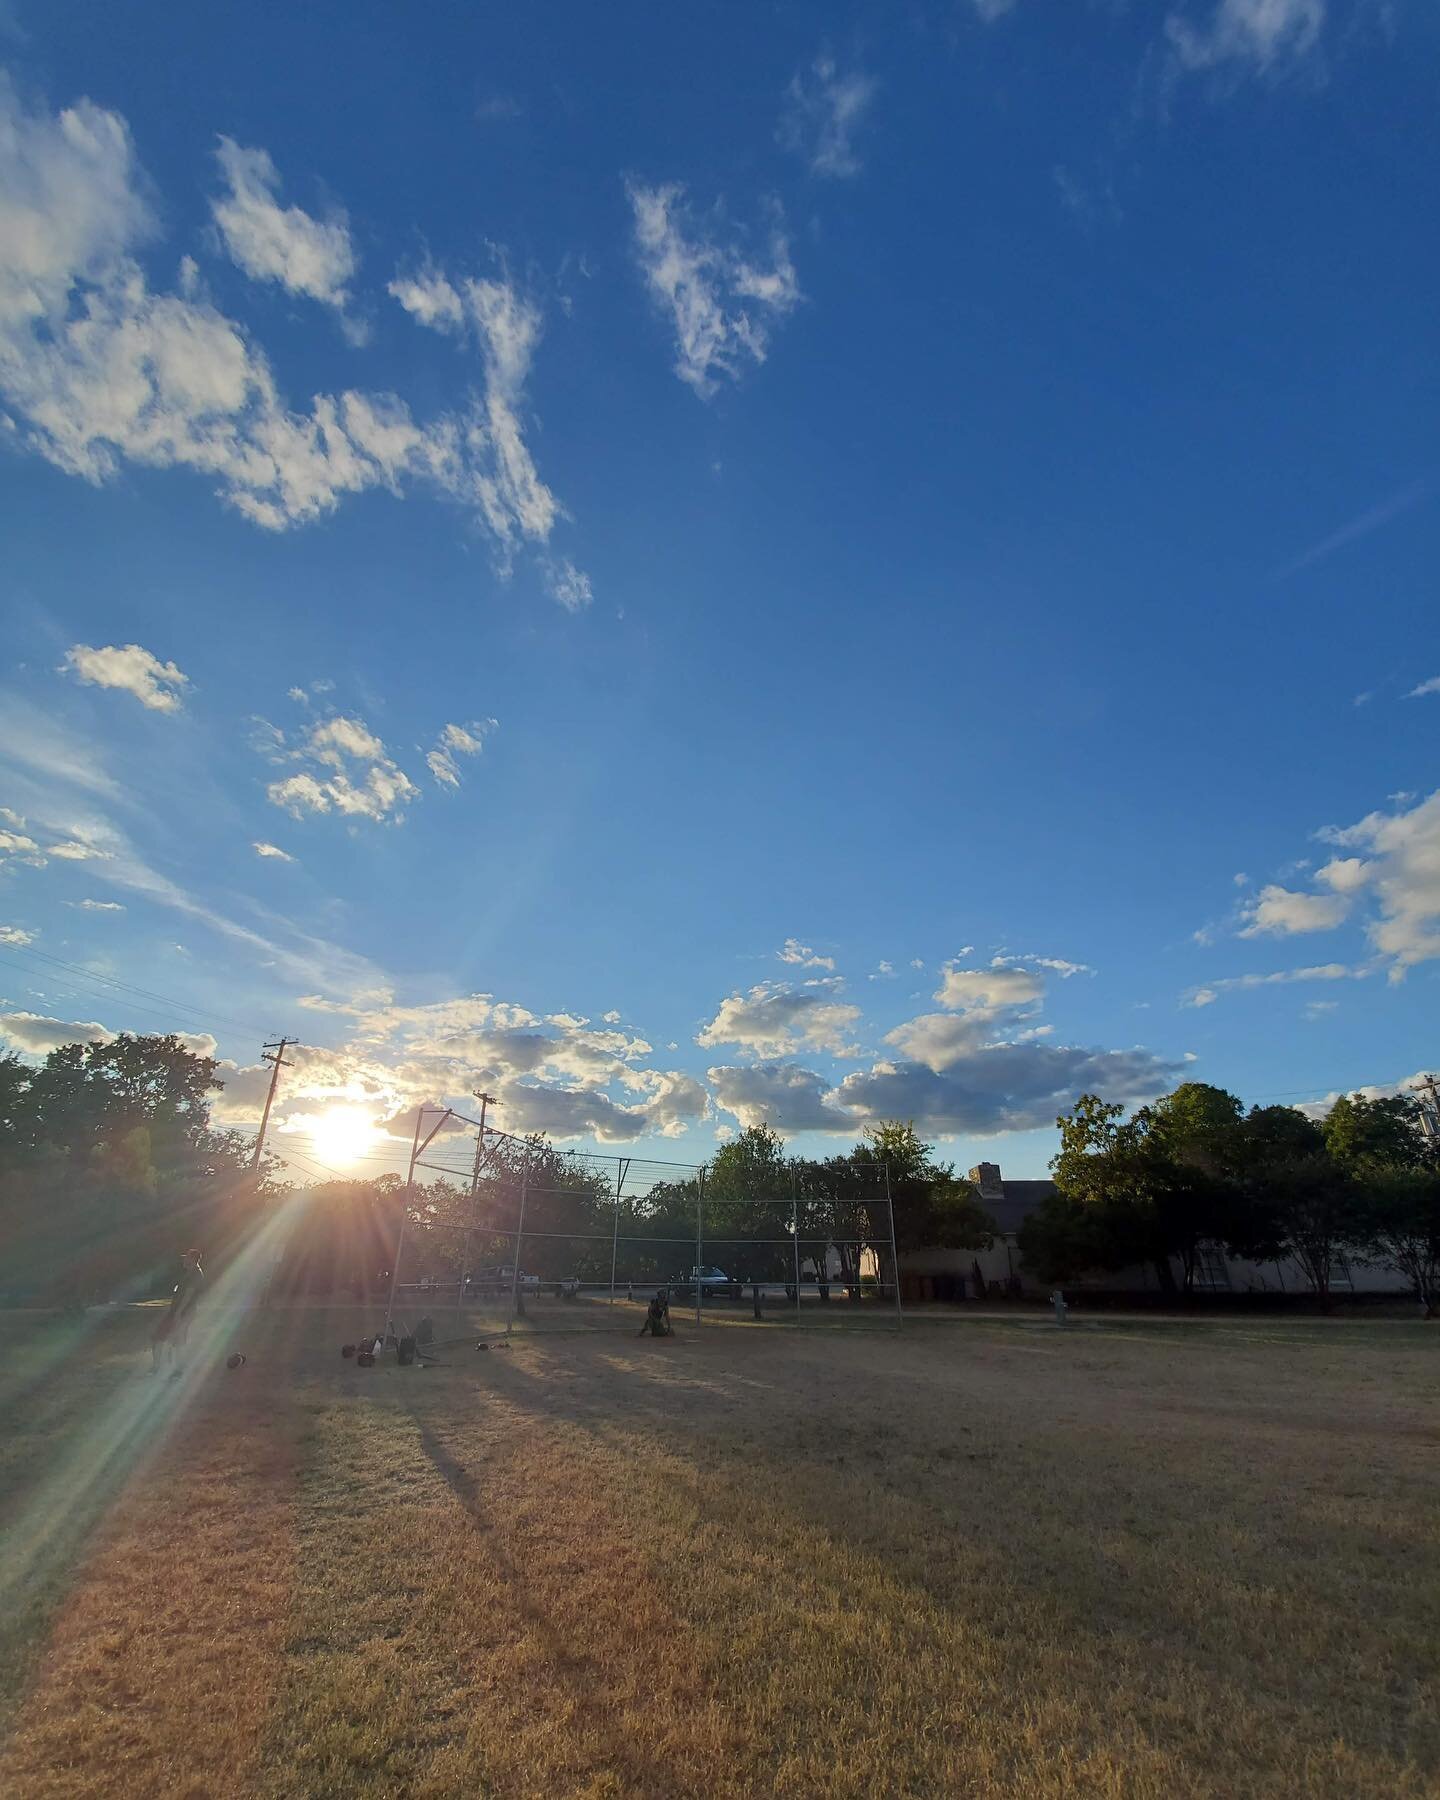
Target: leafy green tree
x,y
108,1157
1400,1211
934,1207
1365,1135
1301,1202
1395,1169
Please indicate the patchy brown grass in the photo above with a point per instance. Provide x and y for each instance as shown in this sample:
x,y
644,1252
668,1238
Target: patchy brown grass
x,y
971,1559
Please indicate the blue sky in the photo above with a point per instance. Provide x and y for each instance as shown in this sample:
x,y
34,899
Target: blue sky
x,y
735,563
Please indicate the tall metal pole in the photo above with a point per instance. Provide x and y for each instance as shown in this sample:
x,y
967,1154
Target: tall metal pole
x,y
519,1239
795,1233
271,1053
404,1221
484,1100
622,1168
699,1242
894,1254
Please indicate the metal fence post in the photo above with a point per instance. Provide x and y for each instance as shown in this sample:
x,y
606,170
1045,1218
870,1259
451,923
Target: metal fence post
x,y
699,1242
519,1240
894,1254
622,1165
795,1233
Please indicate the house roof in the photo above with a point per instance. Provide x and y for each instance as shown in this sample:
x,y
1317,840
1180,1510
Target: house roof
x,y
1021,1199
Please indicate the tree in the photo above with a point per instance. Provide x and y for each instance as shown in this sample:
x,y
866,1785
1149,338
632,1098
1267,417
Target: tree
x,y
934,1208
1396,1171
108,1163
1155,1187
1301,1202
1365,1135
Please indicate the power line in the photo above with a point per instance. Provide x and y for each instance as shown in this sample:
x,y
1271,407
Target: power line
x,y
111,981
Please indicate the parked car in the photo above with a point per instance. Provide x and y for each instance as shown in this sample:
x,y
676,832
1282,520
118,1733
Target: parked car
x,y
500,1280
710,1281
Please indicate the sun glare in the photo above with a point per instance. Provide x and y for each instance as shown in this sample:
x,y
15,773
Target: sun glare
x,y
342,1135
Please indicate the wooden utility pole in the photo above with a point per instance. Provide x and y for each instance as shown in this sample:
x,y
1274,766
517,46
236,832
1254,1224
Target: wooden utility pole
x,y
275,1054
1430,1117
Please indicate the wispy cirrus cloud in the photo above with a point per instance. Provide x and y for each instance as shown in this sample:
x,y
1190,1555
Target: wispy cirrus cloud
x,y
720,301
825,107
1245,36
1211,991
1361,526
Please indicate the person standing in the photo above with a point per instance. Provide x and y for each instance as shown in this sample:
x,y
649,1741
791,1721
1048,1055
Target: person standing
x,y
174,1328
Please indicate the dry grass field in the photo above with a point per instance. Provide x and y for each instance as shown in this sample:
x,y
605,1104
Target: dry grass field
x,y
976,1558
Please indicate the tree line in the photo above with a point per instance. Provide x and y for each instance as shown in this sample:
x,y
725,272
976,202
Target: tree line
x,y
1360,1185
110,1165
760,1209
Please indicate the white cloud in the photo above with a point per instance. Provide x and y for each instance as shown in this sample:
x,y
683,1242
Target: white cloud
x,y
1057,965
1284,912
560,1074
1259,36
774,1021
133,670
987,990
430,299
1317,1109
953,1074
17,844
720,304
567,584
359,778
1403,875
271,851
96,906
35,1034
506,486
1017,1086
457,740
16,936
99,369
823,112
77,852
1333,971
802,956
1432,686
269,242
1345,874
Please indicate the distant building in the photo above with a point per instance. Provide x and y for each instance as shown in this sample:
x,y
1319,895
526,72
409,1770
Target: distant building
x,y
998,1268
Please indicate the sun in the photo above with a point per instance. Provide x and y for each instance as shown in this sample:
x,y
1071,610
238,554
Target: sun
x,y
342,1135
